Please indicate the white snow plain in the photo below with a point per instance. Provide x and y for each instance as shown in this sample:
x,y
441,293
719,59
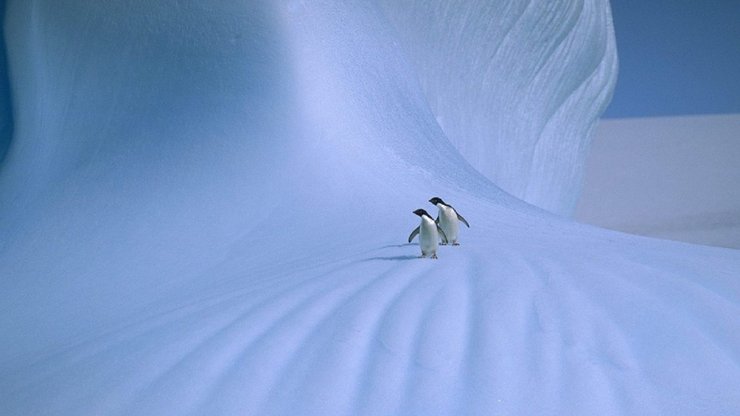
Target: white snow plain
x,y
204,210
667,177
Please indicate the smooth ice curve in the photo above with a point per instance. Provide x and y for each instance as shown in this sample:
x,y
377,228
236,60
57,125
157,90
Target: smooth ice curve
x,y
516,86
204,210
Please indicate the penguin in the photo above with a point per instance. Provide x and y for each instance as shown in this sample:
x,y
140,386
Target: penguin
x,y
448,219
429,234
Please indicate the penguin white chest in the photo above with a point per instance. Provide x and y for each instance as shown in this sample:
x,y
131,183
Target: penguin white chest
x,y
428,236
448,222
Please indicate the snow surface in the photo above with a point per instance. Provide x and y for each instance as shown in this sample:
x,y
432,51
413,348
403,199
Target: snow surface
x,y
666,177
204,209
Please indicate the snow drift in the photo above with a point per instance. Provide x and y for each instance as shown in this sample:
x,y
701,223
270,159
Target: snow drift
x,y
204,210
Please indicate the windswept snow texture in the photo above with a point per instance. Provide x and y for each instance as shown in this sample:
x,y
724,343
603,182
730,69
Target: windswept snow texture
x,y
516,85
204,207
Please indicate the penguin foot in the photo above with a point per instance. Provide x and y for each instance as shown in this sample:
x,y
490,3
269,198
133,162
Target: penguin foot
x,y
455,243
434,256
443,244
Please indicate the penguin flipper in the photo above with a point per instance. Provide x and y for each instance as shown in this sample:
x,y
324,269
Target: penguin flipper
x,y
442,233
414,233
460,217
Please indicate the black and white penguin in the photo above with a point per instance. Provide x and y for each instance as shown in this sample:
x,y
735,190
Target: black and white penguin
x,y
448,220
429,234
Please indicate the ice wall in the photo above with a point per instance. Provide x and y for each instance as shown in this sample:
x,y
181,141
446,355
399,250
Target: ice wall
x,y
140,140
96,83
518,104
6,114
516,85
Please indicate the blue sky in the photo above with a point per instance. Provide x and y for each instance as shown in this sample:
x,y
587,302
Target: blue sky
x,y
677,57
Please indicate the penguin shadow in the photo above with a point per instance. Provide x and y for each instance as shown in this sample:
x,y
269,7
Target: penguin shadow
x,y
393,258
397,246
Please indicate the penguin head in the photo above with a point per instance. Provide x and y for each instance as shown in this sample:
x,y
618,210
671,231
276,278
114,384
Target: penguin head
x,y
420,212
437,200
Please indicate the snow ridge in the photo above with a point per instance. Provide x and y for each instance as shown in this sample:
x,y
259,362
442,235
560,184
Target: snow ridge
x,y
518,103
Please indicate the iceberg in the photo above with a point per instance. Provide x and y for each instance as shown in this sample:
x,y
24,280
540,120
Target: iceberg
x,y
204,209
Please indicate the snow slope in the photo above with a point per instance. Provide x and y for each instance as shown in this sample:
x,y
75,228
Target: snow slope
x,y
666,177
205,209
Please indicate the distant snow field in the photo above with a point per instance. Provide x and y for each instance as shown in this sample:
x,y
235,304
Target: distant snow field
x,y
204,209
666,177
